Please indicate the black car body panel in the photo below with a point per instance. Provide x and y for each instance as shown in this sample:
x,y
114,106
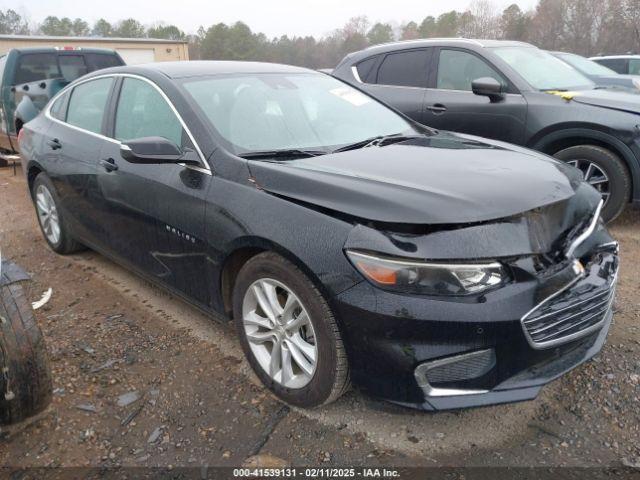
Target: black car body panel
x,y
184,226
463,180
544,121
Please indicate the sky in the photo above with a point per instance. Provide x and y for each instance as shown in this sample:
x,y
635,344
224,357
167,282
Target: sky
x,y
272,17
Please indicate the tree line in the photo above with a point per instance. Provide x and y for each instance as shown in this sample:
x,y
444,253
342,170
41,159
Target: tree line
x,y
586,27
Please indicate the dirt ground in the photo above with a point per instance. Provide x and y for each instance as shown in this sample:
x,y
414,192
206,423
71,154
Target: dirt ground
x,y
143,379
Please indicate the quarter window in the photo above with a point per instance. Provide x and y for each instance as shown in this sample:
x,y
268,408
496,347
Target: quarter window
x,y
364,68
143,112
406,69
58,108
87,104
458,69
634,66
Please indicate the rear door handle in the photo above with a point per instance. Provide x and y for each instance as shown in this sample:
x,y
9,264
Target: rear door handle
x,y
109,164
54,144
437,108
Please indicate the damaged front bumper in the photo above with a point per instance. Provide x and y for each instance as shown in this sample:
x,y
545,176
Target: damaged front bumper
x,y
524,385
439,352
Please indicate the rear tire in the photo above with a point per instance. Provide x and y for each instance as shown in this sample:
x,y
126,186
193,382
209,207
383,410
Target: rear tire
x,y
330,373
50,217
617,175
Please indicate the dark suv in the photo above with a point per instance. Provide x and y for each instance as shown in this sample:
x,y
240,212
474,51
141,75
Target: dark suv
x,y
515,92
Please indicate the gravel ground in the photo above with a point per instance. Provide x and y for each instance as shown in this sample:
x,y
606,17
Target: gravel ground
x,y
143,379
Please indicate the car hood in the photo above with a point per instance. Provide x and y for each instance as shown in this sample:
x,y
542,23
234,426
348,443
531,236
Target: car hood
x,y
609,98
443,179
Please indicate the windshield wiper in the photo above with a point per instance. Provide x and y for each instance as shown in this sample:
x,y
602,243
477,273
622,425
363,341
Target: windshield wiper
x,y
379,141
280,154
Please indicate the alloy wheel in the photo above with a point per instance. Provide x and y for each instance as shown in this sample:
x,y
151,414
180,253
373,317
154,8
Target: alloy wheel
x,y
594,176
48,214
280,333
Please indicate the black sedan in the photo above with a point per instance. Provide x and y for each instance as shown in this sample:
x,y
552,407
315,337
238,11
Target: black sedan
x,y
515,92
347,242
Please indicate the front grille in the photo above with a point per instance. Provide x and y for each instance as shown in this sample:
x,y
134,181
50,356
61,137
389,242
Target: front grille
x,y
579,309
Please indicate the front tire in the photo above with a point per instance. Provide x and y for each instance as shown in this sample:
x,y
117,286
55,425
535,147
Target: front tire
x,y
288,332
605,172
50,218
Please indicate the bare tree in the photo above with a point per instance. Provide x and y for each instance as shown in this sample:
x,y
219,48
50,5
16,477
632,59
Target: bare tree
x,y
548,24
631,12
583,22
481,20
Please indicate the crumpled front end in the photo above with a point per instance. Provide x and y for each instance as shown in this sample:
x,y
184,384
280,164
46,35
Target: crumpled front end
x,y
440,352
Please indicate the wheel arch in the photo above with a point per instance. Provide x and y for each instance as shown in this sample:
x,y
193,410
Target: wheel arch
x,y
245,249
552,142
33,170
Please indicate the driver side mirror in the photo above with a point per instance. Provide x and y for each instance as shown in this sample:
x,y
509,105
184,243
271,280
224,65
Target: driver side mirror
x,y
156,150
488,87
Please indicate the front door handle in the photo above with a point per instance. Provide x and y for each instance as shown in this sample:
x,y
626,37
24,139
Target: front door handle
x,y
109,164
437,108
54,144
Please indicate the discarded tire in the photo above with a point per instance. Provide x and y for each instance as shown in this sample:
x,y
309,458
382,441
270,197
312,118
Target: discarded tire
x,y
25,379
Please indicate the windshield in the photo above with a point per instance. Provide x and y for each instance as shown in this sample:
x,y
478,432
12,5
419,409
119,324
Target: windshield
x,y
585,65
310,111
542,70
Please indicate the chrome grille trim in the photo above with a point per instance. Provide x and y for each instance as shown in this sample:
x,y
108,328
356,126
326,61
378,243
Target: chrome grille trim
x,y
556,338
597,306
567,307
585,234
421,371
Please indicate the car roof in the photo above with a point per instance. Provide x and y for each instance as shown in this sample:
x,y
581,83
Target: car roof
x,y
62,51
208,67
614,56
430,42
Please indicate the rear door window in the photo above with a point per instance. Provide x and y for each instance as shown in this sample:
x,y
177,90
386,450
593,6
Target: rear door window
x,y
98,61
458,69
88,103
405,69
72,67
36,66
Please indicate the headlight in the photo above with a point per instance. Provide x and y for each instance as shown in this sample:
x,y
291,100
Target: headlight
x,y
428,278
